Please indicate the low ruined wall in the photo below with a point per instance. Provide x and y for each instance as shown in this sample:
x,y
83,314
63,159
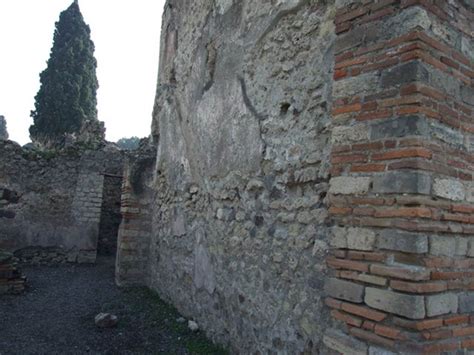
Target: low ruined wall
x,y
53,199
312,191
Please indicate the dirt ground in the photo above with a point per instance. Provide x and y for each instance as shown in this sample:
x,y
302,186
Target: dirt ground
x,y
56,316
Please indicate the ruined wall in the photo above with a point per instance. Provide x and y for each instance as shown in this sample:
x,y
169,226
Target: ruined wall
x,y
53,199
312,190
242,116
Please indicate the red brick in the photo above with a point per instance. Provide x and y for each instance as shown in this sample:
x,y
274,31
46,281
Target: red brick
x,y
360,11
375,115
340,210
437,334
347,264
428,287
457,218
368,325
333,303
372,338
351,158
346,318
403,153
364,312
467,344
388,332
368,168
460,332
339,74
419,212
347,109
449,62
455,320
418,325
350,62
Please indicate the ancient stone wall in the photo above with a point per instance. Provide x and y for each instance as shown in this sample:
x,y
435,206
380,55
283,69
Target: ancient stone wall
x,y
312,190
53,199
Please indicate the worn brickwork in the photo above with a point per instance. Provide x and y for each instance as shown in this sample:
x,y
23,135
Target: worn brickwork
x,y
402,165
312,190
133,243
53,200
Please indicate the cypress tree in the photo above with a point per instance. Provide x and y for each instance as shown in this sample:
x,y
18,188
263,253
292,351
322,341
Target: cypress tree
x,y
67,95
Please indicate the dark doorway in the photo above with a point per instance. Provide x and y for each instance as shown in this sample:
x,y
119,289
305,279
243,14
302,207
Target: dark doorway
x,y
110,217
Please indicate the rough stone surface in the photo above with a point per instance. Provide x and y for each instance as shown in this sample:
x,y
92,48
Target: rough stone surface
x,y
409,306
441,304
466,303
345,185
237,210
403,182
450,189
344,290
402,241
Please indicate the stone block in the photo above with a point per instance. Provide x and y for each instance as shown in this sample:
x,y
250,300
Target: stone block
x,y
447,134
414,243
400,127
364,84
466,302
470,248
442,246
402,182
467,94
346,185
409,306
348,134
450,189
344,290
470,187
344,344
360,239
404,73
338,238
437,305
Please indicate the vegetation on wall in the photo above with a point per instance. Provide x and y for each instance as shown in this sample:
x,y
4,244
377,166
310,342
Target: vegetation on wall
x,y
67,96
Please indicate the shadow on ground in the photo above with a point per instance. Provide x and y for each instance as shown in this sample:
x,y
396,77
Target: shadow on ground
x,y
56,316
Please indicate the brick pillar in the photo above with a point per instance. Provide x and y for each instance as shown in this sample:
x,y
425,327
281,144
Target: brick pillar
x,y
134,235
401,192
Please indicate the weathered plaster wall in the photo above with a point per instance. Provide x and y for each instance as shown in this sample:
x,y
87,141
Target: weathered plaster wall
x,y
53,199
241,120
292,135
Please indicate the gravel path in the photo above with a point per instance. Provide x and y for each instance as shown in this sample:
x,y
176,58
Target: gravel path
x,y
56,316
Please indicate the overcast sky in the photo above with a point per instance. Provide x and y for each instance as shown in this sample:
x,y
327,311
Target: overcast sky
x,y
126,36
